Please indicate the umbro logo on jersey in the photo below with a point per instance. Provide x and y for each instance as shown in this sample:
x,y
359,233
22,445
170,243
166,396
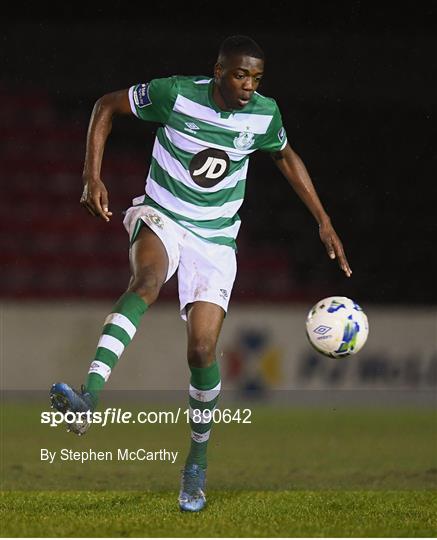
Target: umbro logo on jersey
x,y
191,127
209,167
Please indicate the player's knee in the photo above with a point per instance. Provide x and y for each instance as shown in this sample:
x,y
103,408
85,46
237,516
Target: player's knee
x,y
201,352
146,284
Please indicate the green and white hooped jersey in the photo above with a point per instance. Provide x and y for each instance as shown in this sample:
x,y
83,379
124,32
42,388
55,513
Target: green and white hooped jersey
x,y
200,157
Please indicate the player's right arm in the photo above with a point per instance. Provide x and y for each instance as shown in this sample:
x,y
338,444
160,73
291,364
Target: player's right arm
x,y
95,195
152,102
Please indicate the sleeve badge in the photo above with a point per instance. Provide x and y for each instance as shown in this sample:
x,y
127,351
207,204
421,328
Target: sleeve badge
x,y
141,95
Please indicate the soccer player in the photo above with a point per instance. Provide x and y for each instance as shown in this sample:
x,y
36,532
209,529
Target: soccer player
x,y
187,219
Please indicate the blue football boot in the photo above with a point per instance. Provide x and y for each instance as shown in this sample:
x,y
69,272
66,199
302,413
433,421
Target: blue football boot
x,y
65,399
192,495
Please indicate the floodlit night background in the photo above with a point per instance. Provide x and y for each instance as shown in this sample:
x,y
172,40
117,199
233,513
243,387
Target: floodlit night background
x,y
357,93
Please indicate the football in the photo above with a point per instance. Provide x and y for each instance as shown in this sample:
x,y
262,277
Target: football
x,y
337,326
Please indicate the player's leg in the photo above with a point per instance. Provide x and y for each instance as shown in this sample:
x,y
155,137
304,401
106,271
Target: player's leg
x,y
204,322
149,266
206,277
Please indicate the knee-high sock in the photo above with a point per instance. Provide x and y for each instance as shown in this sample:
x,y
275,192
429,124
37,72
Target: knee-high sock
x,y
204,393
118,330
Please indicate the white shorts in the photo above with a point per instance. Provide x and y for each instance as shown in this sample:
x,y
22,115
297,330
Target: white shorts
x,y
206,271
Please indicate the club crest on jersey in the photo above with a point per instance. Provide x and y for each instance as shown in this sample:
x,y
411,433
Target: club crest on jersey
x,y
141,96
244,140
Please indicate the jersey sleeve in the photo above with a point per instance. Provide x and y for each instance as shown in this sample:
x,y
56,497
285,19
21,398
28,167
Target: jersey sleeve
x,y
153,101
276,138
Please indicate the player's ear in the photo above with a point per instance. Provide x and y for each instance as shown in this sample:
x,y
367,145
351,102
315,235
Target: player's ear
x,y
218,71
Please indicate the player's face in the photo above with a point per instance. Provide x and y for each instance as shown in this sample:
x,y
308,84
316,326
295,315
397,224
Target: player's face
x,y
236,80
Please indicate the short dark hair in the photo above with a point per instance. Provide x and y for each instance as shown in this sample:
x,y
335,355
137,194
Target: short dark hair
x,y
241,45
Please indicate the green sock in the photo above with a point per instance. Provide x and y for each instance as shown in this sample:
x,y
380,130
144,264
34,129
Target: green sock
x,y
118,330
204,394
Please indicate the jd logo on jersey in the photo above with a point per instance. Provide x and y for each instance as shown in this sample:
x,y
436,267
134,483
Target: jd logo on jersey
x,y
209,167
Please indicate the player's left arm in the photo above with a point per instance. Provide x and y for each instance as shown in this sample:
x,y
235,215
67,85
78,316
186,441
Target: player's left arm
x,y
294,170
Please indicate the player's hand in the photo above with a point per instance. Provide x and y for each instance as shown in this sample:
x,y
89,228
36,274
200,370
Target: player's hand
x,y
334,247
95,198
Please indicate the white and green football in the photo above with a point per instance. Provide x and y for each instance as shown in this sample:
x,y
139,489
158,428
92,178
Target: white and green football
x,y
337,327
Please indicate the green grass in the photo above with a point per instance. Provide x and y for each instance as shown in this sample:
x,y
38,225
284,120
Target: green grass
x,y
292,472
229,514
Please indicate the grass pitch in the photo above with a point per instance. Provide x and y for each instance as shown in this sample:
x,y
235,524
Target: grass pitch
x,y
292,472
229,514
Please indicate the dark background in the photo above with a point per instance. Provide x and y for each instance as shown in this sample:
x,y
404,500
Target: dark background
x,y
357,90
